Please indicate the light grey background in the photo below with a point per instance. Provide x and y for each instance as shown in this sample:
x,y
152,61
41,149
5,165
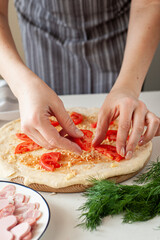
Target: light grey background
x,y
152,81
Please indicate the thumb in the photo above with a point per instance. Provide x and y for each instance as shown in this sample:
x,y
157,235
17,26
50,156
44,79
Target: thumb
x,y
67,124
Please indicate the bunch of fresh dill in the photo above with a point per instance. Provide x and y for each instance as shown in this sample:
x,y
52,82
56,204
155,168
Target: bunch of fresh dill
x,y
135,202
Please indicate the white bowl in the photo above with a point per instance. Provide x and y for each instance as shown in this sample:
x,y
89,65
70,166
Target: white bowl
x,y
43,221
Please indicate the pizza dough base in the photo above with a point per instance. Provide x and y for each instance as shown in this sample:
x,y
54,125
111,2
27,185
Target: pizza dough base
x,y
76,187
56,181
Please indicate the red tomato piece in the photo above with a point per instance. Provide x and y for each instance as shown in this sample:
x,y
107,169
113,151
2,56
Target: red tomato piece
x,y
23,137
76,117
46,166
109,151
111,123
111,135
103,148
54,123
94,124
51,157
86,141
49,161
26,147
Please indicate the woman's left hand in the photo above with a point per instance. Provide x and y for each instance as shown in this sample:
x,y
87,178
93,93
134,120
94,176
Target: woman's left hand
x,y
122,103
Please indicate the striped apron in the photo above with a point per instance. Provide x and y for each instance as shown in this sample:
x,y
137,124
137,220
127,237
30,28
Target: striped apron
x,y
75,46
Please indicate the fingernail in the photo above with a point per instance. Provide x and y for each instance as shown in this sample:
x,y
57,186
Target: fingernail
x,y
141,142
129,155
79,132
122,152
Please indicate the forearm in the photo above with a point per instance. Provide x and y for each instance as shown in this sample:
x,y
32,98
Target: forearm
x,y
12,68
142,40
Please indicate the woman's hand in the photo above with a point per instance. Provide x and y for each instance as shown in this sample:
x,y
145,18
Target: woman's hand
x,y
131,112
153,128
123,100
37,103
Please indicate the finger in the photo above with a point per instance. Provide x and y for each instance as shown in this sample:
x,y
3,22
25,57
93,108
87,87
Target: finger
x,y
39,139
124,125
67,124
152,122
36,136
104,119
54,139
158,130
137,129
65,143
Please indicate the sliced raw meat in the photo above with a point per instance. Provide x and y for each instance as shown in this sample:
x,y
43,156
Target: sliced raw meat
x,y
37,205
19,198
6,223
31,221
26,199
21,230
32,214
23,207
20,218
3,203
25,215
11,199
19,205
8,210
28,236
9,188
6,235
3,194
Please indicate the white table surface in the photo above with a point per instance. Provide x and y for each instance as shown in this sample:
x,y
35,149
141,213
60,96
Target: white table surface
x,y
64,214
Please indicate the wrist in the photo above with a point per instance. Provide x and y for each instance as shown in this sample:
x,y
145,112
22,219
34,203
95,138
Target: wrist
x,y
21,80
128,83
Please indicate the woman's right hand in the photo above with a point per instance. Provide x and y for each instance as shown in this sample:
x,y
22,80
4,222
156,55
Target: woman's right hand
x,y
37,102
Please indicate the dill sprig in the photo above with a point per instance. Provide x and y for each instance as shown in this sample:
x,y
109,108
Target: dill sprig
x,y
135,202
152,173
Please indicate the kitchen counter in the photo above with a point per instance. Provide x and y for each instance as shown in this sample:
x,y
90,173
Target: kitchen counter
x,y
64,214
